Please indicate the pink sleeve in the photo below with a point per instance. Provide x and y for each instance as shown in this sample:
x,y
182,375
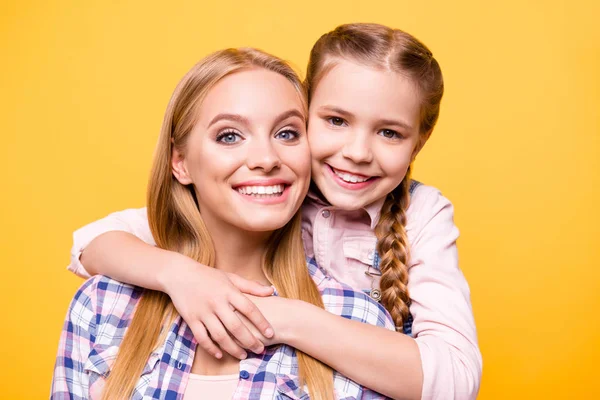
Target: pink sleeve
x,y
134,221
444,327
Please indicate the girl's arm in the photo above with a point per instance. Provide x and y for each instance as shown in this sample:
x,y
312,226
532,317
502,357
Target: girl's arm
x,y
441,362
205,297
444,326
377,358
132,221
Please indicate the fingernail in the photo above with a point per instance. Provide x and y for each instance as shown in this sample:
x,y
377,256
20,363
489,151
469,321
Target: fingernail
x,y
269,332
218,355
243,357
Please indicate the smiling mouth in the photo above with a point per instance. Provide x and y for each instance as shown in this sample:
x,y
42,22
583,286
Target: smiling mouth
x,y
349,177
262,192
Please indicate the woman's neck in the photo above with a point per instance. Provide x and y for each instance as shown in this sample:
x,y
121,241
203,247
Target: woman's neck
x,y
242,255
239,252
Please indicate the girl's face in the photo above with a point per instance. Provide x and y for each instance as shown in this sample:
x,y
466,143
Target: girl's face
x,y
363,133
247,155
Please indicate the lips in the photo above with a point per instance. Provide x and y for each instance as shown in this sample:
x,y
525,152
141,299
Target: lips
x,y
349,176
261,190
350,180
271,191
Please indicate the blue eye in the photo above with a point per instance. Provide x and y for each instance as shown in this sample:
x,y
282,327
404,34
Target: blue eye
x,y
287,135
228,137
336,121
389,134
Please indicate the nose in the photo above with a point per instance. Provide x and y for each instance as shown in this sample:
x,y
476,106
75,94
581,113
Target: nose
x,y
358,148
263,155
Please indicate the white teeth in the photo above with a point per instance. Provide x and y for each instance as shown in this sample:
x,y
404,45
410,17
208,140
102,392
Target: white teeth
x,y
261,190
349,177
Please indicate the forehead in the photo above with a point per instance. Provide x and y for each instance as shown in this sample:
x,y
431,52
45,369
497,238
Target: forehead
x,y
367,91
257,94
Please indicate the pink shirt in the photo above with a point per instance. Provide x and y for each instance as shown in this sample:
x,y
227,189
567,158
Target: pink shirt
x,y
219,387
343,243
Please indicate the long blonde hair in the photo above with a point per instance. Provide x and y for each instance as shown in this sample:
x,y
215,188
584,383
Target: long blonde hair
x,y
394,50
177,225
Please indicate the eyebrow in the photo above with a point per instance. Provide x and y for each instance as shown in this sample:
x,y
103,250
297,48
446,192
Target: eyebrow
x,y
243,120
348,114
393,122
336,110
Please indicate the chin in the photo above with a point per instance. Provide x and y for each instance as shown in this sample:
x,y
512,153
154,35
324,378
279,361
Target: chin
x,y
261,226
266,222
347,203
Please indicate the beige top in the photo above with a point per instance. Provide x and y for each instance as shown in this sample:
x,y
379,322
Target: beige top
x,y
214,387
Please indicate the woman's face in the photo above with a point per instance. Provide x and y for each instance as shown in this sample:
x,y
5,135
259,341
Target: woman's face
x,y
247,155
363,132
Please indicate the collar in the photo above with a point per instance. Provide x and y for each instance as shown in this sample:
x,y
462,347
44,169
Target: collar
x,y
373,209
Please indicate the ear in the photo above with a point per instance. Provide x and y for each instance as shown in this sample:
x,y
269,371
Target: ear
x,y
422,140
179,167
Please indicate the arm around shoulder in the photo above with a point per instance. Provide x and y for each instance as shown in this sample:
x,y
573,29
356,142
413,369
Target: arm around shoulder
x,y
131,221
444,326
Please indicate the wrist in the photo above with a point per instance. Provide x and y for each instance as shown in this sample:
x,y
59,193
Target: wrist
x,y
288,329
167,270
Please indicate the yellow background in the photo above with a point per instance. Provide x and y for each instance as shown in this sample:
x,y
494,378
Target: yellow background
x,y
84,85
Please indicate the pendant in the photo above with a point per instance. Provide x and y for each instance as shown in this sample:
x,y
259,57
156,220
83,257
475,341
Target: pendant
x,y
375,294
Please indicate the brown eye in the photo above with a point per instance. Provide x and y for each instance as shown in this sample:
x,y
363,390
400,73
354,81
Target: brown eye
x,y
336,121
390,134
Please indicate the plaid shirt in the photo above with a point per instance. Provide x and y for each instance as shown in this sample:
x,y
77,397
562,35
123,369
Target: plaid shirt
x,y
103,308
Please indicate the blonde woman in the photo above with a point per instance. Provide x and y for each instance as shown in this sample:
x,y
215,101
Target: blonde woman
x,y
231,169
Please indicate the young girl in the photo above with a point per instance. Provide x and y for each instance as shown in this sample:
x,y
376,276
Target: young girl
x,y
236,121
374,98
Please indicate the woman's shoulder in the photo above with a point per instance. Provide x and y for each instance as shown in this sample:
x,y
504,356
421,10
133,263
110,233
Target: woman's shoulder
x,y
101,299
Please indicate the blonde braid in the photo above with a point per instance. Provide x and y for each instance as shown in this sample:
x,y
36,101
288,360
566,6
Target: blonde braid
x,y
393,248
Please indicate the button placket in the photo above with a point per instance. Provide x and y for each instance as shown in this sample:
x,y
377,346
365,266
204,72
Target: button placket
x,y
321,232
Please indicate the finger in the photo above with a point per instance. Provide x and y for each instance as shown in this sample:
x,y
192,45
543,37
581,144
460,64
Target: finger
x,y
204,340
219,335
239,331
250,287
247,308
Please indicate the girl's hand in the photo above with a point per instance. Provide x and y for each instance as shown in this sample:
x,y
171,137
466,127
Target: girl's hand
x,y
208,300
281,312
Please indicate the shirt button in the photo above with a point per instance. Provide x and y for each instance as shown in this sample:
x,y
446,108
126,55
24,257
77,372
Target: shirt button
x,y
370,255
244,374
179,365
326,213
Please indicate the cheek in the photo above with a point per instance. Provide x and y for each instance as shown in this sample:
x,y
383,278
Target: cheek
x,y
206,168
324,142
298,159
394,161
